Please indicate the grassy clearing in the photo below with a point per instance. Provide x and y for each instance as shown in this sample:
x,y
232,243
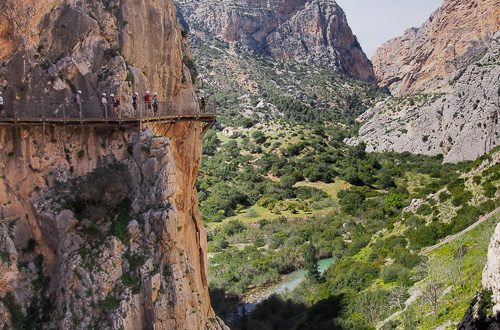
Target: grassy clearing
x,y
330,188
253,215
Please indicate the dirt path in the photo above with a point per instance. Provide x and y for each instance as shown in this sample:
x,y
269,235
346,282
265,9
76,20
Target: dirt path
x,y
448,239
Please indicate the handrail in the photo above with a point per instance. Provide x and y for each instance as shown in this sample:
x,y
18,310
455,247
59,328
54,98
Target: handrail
x,y
80,112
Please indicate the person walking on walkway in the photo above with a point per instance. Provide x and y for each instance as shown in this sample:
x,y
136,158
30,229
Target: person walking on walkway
x,y
104,104
116,104
147,102
78,103
155,103
1,105
203,104
135,100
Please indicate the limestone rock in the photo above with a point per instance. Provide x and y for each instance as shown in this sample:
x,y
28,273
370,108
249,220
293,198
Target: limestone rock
x,y
94,276
308,31
451,39
96,270
50,49
461,122
491,273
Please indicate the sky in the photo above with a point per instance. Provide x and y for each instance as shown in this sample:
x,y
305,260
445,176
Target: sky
x,y
376,21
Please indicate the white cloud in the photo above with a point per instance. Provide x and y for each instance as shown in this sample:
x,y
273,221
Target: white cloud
x,y
376,21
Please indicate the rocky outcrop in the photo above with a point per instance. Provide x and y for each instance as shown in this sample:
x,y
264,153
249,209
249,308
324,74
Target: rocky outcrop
x,y
461,121
51,49
308,31
101,229
454,36
491,273
480,315
99,226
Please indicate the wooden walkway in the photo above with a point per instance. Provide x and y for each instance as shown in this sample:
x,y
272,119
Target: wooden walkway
x,y
204,117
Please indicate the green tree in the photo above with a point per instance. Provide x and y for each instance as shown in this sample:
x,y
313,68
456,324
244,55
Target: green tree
x,y
210,143
259,137
393,201
311,262
351,200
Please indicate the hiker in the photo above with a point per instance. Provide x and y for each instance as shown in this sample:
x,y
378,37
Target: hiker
x,y
78,103
203,104
104,104
1,105
134,101
147,101
155,103
116,104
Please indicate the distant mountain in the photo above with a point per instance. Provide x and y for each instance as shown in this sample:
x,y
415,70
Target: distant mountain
x,y
446,76
307,31
456,35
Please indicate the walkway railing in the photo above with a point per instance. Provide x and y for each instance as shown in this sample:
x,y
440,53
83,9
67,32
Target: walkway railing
x,y
83,112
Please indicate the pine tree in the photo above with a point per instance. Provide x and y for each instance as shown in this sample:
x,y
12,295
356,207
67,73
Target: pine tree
x,y
311,262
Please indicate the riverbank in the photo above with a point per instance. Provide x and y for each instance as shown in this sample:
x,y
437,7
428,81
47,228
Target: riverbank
x,y
285,283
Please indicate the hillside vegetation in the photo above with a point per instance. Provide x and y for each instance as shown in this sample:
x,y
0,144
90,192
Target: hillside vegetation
x,y
280,189
272,194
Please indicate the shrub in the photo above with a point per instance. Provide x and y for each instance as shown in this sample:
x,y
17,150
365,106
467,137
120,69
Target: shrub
x,y
393,201
234,227
316,194
109,303
424,209
465,217
121,221
486,207
15,311
259,137
210,143
396,273
456,187
489,189
352,274
462,198
351,200
444,196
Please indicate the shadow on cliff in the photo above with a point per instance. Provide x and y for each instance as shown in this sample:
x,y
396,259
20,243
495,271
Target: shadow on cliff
x,y
276,313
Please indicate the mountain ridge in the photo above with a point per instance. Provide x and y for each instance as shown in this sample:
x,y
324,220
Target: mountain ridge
x,y
453,37
306,31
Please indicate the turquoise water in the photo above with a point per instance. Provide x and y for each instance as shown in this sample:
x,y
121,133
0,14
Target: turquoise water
x,y
292,280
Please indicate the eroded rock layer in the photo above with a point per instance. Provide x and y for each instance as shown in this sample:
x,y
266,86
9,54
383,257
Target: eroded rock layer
x,y
491,273
49,49
308,31
460,119
454,36
99,226
101,229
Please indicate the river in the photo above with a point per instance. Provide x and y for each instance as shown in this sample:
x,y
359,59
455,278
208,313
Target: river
x,y
288,283
293,280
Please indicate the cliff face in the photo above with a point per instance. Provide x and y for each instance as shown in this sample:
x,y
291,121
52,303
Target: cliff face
x,y
50,49
99,228
446,75
462,123
453,37
102,229
308,31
